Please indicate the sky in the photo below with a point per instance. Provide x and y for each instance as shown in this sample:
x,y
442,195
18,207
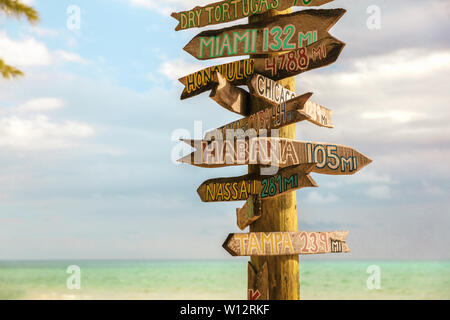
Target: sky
x,y
87,137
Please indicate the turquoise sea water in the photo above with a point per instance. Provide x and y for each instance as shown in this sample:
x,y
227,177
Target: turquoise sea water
x,y
217,280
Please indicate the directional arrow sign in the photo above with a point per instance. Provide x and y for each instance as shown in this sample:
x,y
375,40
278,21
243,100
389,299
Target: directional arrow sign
x,y
241,188
286,243
231,10
274,93
271,117
250,212
279,33
316,55
236,73
258,283
269,90
319,54
331,159
229,96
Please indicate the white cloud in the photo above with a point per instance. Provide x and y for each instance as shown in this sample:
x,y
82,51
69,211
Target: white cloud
x,y
168,6
29,52
43,32
379,192
319,198
175,69
70,57
393,115
40,133
41,105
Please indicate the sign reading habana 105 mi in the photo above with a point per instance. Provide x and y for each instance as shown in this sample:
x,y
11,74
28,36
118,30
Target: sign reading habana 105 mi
x,y
331,159
231,10
280,33
286,243
292,63
241,188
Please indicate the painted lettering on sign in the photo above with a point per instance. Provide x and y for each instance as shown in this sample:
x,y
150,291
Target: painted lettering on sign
x,y
230,191
235,72
257,187
326,156
270,117
286,243
230,10
330,158
279,33
271,90
286,65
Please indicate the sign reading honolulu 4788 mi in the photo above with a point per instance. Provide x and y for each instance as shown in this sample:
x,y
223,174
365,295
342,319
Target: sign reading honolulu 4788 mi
x,y
280,33
289,64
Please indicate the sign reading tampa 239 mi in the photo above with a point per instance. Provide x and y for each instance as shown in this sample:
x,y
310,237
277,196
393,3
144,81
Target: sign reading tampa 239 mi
x,y
281,33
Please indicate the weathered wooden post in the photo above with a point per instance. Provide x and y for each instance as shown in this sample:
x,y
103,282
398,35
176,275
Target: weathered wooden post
x,y
281,45
279,214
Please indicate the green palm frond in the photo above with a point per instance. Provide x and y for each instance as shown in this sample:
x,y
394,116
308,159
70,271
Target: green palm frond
x,y
17,9
7,71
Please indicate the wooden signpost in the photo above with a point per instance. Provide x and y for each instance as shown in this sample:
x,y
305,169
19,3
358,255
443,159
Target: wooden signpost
x,y
292,63
281,45
258,283
229,96
250,212
282,33
331,159
274,93
231,10
241,188
286,243
271,117
290,106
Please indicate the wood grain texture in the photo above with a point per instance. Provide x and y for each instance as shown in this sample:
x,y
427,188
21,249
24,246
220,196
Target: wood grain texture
x,y
272,92
331,159
241,188
258,283
229,96
278,214
250,212
277,67
231,10
277,34
286,243
269,118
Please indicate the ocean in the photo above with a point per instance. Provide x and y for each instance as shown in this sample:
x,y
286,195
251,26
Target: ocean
x,y
218,280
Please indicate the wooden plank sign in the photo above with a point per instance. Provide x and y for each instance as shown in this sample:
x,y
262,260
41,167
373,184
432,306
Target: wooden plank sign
x,y
286,243
277,34
272,92
331,159
316,55
292,63
269,90
258,283
250,212
236,72
241,188
271,117
229,96
231,10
